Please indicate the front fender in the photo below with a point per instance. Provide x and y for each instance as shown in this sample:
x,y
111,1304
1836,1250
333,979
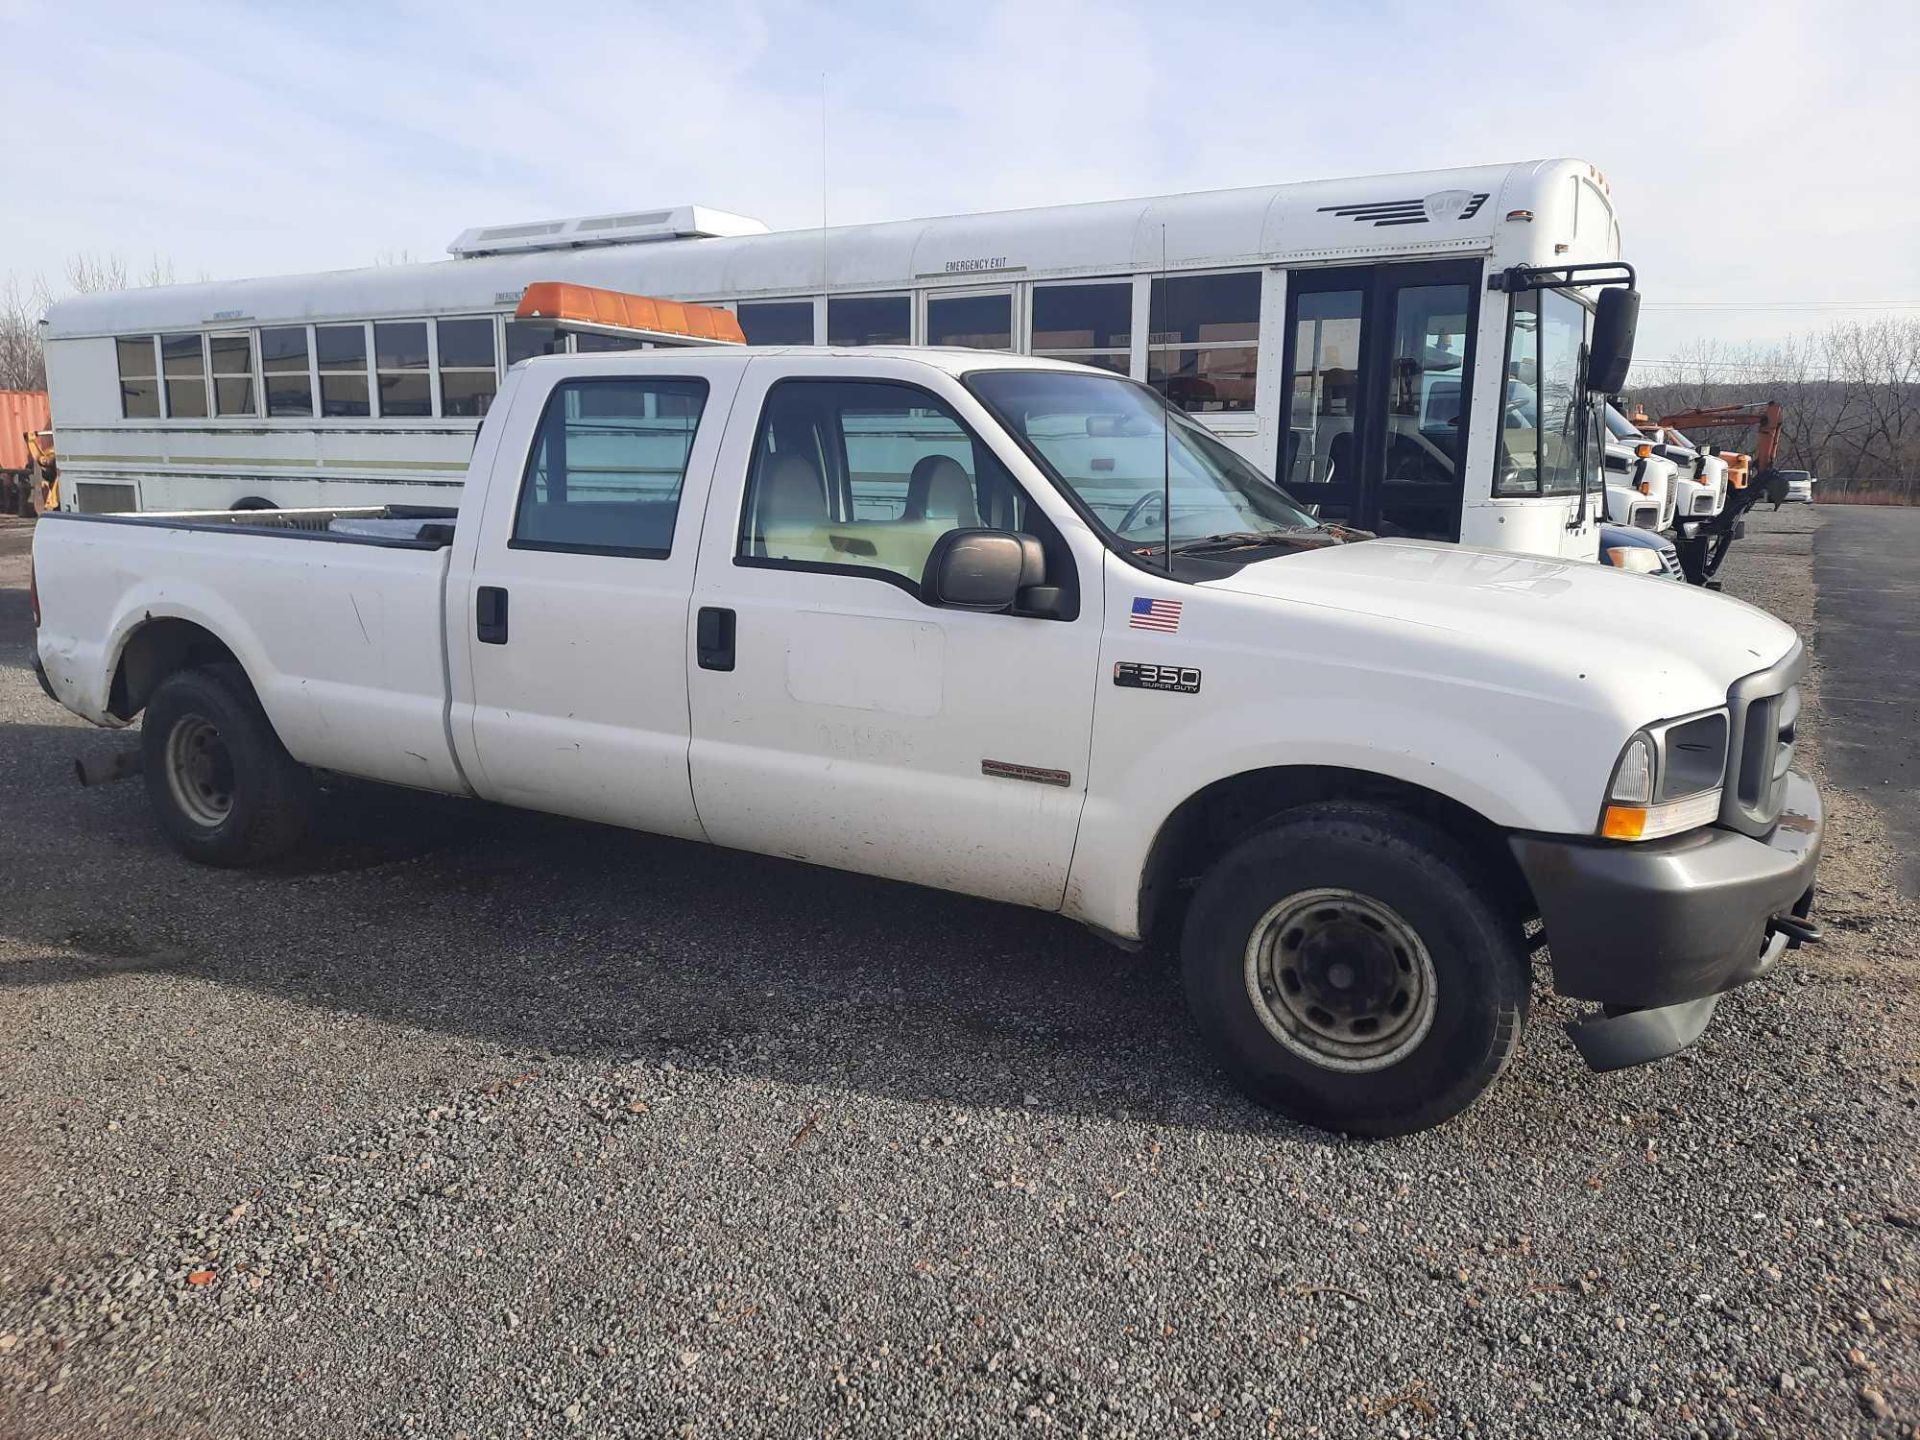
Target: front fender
x,y
1460,758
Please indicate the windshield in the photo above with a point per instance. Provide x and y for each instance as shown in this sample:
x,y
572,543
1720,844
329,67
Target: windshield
x,y
1674,437
1118,448
1547,423
1622,428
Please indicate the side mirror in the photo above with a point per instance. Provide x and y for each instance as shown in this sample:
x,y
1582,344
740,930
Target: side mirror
x,y
1610,355
981,569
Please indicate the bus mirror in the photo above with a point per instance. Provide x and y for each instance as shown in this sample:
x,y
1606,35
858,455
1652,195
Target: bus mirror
x,y
1611,354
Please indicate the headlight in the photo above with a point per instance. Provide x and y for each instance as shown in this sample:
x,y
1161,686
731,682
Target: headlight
x,y
1638,559
1668,779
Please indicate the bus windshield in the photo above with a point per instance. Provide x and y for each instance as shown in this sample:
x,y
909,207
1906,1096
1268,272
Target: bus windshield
x,y
1118,448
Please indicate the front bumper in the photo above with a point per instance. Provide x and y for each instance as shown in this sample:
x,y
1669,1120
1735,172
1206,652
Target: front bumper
x,y
1662,929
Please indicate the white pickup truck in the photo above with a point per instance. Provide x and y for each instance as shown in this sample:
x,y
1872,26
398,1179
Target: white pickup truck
x,y
1008,627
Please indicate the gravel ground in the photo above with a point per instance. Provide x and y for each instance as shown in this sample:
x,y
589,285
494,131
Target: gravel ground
x,y
475,1123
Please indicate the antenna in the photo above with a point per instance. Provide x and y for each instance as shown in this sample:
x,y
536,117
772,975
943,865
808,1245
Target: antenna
x,y
821,319
1166,416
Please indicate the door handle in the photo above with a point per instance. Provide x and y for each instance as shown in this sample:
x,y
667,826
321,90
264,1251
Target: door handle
x,y
713,638
490,615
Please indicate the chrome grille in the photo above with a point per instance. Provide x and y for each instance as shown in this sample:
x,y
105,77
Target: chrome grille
x,y
1764,710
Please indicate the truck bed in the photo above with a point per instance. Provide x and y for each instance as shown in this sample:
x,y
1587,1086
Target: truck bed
x,y
414,527
341,636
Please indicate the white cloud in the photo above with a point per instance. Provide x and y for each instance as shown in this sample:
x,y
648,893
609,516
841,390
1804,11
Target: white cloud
x,y
1758,152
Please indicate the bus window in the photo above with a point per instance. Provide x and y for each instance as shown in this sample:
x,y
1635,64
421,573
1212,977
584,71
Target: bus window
x,y
1087,324
1426,374
1540,432
232,361
1319,463
341,351
467,378
183,362
139,378
975,322
776,322
868,320
1204,332
283,363
1563,330
1517,469
400,361
527,338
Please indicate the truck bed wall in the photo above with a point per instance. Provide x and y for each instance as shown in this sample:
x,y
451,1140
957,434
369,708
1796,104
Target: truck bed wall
x,y
341,641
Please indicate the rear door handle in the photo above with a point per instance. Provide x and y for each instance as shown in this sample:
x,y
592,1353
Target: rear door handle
x,y
490,615
713,638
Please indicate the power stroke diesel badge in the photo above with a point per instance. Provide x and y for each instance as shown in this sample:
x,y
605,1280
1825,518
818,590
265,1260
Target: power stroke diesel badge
x,y
1182,679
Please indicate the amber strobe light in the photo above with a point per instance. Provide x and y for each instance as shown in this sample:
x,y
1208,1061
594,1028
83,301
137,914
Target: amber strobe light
x,y
640,317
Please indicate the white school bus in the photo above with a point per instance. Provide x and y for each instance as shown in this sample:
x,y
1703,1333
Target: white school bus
x,y
1404,352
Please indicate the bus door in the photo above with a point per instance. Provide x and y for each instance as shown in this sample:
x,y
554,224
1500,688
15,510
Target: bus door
x,y
1379,360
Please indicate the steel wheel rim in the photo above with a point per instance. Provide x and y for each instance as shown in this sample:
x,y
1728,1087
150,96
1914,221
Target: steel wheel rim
x,y
200,771
1341,980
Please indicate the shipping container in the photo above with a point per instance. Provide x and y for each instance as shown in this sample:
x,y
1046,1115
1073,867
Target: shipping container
x,y
20,411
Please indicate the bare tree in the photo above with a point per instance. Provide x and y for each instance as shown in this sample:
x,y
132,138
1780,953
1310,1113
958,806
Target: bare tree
x,y
1850,397
23,365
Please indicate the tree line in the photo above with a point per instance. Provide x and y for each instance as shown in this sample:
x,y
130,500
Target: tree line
x,y
1851,397
23,361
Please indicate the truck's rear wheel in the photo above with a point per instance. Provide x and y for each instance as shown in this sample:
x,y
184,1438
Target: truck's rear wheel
x,y
224,788
1349,971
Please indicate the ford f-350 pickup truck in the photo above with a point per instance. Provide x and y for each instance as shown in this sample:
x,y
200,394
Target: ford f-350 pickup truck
x,y
1008,627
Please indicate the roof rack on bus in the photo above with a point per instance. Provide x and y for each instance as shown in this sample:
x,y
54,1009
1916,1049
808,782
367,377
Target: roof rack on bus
x,y
1518,278
585,310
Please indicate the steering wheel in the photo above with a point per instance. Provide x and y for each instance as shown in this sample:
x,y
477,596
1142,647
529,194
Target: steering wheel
x,y
1137,509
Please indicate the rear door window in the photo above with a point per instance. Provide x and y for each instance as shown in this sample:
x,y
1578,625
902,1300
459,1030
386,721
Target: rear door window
x,y
607,464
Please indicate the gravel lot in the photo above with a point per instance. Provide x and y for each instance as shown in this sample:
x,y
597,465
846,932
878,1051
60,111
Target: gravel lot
x,y
481,1124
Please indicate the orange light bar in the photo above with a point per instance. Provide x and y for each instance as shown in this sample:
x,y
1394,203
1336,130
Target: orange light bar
x,y
614,312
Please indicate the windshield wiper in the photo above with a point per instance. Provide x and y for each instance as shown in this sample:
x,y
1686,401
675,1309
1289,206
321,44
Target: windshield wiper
x,y
1241,539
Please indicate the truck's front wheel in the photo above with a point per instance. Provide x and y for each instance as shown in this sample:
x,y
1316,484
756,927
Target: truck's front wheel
x,y
224,788
1350,971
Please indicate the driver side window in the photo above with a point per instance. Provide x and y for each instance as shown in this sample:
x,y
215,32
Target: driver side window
x,y
865,476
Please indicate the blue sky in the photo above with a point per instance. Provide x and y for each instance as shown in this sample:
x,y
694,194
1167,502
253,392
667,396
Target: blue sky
x,y
1761,154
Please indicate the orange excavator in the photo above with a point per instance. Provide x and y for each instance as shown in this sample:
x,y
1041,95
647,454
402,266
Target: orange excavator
x,y
1750,478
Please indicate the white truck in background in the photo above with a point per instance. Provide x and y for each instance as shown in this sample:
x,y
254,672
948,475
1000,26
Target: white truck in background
x,y
1010,627
1642,486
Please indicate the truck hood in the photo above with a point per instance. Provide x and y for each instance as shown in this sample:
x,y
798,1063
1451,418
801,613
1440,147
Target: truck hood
x,y
1542,625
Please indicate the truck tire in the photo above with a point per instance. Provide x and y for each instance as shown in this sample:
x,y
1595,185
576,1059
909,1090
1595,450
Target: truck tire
x,y
1349,970
221,784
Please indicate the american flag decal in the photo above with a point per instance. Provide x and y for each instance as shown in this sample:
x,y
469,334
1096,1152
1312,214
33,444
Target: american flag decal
x,y
1162,615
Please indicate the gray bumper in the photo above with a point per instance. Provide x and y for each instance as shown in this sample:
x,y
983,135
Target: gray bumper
x,y
1666,927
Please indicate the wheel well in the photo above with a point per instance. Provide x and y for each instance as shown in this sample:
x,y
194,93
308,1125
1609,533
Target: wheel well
x,y
1213,820
155,651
